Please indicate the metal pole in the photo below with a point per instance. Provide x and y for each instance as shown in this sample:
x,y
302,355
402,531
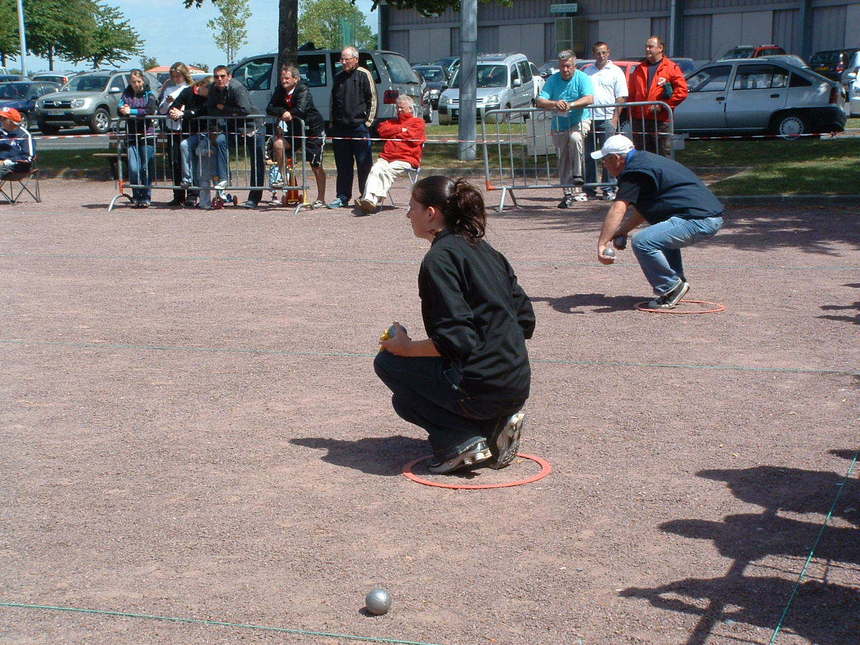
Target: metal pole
x,y
468,78
23,38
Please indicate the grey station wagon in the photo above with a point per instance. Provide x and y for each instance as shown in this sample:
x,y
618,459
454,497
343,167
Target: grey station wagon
x,y
758,96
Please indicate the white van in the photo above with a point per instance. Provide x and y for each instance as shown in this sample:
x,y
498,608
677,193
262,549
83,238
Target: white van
x,y
391,72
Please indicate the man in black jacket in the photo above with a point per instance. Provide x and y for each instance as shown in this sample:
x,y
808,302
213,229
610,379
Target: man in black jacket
x,y
675,203
292,100
229,98
353,108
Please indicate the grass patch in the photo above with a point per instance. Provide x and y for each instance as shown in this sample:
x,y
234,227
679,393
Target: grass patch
x,y
81,159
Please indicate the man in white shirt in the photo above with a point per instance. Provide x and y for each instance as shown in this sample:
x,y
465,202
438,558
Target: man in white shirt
x,y
610,86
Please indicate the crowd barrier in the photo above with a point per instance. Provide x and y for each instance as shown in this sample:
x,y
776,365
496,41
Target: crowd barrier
x,y
209,159
523,157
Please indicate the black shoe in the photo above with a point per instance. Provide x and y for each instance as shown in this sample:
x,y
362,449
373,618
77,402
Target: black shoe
x,y
190,203
505,440
472,454
566,201
671,298
175,203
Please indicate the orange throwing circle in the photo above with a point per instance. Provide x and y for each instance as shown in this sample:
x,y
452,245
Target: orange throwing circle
x,y
716,308
545,469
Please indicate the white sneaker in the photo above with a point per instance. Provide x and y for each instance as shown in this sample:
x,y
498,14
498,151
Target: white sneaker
x,y
368,206
580,197
609,195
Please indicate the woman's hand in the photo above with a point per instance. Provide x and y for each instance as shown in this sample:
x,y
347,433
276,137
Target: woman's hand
x,y
174,113
124,110
286,116
399,343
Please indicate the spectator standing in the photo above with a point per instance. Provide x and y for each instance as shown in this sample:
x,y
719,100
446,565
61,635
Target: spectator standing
x,y
609,86
402,152
292,100
180,78
353,108
655,79
229,98
677,206
569,92
188,107
17,150
135,104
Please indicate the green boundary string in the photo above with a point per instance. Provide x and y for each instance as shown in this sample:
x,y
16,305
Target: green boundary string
x,y
841,487
219,623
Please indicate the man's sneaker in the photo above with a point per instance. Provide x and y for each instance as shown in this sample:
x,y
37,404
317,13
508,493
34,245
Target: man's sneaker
x,y
609,194
367,206
337,203
319,204
566,201
190,203
671,298
505,440
250,204
580,197
472,454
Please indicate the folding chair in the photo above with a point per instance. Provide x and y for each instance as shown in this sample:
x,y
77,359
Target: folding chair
x,y
15,184
412,173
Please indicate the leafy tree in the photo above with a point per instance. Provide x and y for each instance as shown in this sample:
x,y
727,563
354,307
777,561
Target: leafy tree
x,y
229,28
59,28
113,40
202,66
430,7
10,44
320,22
148,62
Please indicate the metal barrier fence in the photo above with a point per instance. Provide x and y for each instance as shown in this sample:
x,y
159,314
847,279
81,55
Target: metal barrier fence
x,y
533,155
208,157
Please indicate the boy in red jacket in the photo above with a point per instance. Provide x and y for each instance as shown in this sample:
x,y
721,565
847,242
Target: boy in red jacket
x,y
401,153
655,79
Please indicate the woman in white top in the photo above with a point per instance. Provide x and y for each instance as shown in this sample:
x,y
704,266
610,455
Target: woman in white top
x,y
180,78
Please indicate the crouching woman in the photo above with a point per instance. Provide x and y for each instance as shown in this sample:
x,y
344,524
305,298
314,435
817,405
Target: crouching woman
x,y
467,382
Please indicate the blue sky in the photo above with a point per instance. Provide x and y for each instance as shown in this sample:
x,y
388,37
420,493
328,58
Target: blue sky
x,y
172,33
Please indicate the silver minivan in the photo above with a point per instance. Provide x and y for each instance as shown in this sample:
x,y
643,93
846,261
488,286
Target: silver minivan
x,y
505,81
391,72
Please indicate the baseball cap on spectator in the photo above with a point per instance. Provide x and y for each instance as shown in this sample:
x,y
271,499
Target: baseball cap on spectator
x,y
10,113
617,144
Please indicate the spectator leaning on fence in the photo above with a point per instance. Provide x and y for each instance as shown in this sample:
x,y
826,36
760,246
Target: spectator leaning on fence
x,y
292,100
229,98
188,106
180,78
135,104
16,145
656,79
677,206
568,92
353,109
609,86
402,152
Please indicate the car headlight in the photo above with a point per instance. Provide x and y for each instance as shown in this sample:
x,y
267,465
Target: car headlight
x,y
78,103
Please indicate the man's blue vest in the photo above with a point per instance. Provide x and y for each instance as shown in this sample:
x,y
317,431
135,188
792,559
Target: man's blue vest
x,y
679,192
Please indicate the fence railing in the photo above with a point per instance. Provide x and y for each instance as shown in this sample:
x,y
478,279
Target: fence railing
x,y
208,159
525,157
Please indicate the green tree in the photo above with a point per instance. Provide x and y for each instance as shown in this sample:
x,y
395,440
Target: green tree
x,y
320,23
202,66
229,29
59,28
113,40
10,44
148,62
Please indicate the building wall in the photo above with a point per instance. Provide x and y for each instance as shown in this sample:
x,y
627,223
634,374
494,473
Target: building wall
x,y
710,27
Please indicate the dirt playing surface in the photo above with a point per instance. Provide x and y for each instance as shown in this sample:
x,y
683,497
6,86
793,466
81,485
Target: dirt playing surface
x,y
191,428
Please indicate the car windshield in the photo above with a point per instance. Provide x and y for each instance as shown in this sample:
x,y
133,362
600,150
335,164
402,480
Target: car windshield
x,y
739,52
399,70
431,73
488,76
87,84
824,58
13,90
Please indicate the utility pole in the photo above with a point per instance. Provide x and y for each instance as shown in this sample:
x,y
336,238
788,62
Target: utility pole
x,y
23,39
468,79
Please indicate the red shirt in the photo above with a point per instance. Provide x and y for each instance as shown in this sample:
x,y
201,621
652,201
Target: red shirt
x,y
667,72
403,127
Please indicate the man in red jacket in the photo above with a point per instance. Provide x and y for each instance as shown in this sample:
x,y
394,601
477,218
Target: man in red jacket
x,y
655,79
401,153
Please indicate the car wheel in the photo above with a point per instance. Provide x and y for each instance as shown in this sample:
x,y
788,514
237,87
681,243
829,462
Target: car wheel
x,y
100,121
790,125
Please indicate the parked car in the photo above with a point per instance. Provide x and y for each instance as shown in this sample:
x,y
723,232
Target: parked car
x,y
6,78
791,59
539,81
504,81
752,51
548,69
450,64
627,66
162,73
851,84
88,99
436,81
51,77
391,73
754,96
832,62
22,96
687,65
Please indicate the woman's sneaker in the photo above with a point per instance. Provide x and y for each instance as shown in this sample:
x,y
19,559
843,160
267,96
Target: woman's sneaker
x,y
505,440
474,453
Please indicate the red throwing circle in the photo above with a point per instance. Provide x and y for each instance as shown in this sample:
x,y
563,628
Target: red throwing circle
x,y
545,469
715,309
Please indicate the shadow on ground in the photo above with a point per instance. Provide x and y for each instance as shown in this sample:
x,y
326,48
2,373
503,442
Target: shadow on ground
x,y
374,455
582,303
846,308
823,612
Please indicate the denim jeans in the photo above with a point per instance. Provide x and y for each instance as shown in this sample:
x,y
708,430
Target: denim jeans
x,y
141,169
188,150
355,146
425,391
600,131
248,148
658,248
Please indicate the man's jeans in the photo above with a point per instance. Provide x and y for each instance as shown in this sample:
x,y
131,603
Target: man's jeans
x,y
658,248
355,144
425,393
600,131
245,148
141,169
